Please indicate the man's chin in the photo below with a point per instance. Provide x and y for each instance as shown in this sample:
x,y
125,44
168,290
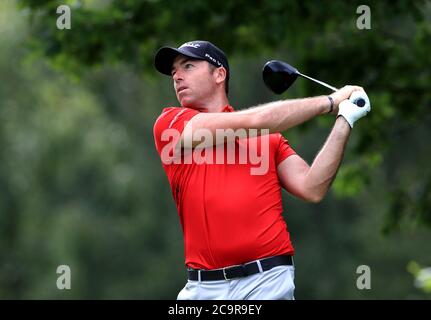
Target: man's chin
x,y
186,104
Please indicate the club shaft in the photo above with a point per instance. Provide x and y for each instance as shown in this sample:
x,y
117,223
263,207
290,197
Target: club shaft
x,y
319,82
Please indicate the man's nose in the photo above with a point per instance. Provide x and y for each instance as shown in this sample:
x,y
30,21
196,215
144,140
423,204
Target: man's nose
x,y
177,76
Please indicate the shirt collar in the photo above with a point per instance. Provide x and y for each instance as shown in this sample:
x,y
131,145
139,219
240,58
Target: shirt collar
x,y
228,108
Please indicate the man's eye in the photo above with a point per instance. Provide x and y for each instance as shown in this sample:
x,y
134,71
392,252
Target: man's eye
x,y
188,65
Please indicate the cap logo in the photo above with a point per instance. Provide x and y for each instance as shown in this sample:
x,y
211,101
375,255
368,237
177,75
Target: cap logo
x,y
212,59
191,44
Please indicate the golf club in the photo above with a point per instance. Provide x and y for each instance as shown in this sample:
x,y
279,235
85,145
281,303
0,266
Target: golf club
x,y
279,76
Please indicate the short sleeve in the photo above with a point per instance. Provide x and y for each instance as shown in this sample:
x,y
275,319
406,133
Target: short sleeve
x,y
284,150
170,125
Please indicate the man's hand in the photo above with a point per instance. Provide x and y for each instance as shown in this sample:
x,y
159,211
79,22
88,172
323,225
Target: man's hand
x,y
350,111
343,94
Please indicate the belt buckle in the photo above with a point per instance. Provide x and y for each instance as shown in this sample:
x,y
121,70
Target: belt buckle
x,y
224,274
231,267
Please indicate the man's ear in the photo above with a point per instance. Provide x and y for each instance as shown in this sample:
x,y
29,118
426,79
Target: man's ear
x,y
220,74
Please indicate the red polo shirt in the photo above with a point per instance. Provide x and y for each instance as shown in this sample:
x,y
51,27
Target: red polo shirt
x,y
228,215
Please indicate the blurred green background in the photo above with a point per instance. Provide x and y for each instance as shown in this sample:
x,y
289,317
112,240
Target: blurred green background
x,y
83,186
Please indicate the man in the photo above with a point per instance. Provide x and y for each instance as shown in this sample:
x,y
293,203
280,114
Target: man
x,y
237,245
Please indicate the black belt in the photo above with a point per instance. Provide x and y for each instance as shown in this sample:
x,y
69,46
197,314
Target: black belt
x,y
240,270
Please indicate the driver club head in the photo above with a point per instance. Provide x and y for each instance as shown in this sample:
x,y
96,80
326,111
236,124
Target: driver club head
x,y
278,76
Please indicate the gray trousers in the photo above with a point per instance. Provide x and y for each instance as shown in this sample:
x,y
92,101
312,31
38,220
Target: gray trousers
x,y
274,284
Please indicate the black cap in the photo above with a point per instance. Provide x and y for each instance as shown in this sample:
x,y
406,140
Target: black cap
x,y
203,50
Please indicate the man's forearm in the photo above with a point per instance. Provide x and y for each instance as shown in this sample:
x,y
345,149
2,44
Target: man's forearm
x,y
325,166
282,115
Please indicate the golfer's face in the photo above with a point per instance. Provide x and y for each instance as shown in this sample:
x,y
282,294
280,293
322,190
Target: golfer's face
x,y
193,81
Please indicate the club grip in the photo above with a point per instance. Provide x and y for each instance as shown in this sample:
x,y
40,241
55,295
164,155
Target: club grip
x,y
359,98
360,102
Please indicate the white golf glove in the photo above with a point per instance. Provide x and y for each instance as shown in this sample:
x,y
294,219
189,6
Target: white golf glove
x,y
350,110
